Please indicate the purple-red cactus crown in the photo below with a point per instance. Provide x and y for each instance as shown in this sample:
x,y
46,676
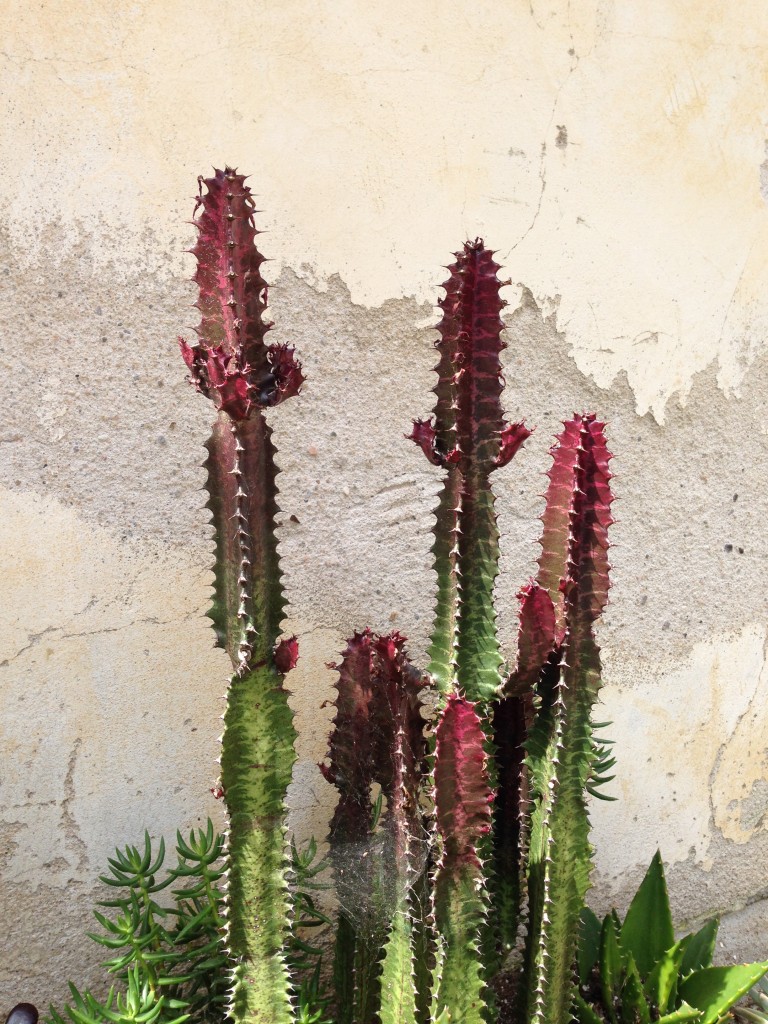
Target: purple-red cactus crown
x,y
231,364
468,421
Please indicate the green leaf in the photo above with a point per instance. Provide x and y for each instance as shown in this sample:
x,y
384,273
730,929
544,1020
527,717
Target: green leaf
x,y
611,965
714,990
633,1006
583,1012
700,948
589,943
661,985
648,931
680,1015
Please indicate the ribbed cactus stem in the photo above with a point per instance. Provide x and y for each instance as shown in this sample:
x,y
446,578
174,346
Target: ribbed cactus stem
x,y
468,438
378,739
560,748
463,818
232,365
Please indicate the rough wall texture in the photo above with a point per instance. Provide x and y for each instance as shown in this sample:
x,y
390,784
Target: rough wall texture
x,y
613,152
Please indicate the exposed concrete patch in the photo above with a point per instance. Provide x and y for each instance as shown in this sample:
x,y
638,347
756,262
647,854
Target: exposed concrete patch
x,y
69,826
40,954
743,936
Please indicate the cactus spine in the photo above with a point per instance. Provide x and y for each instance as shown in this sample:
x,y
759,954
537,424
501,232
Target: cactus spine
x,y
233,366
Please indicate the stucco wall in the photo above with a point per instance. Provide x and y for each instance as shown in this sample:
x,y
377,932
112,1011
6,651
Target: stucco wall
x,y
613,153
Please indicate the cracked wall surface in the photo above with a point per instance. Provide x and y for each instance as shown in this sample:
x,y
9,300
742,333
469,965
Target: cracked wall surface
x,y
615,155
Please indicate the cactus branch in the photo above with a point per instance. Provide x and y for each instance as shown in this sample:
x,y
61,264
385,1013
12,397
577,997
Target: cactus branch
x,y
377,740
560,747
232,365
469,439
463,815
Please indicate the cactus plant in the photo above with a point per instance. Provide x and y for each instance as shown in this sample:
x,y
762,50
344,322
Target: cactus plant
x,y
449,839
512,752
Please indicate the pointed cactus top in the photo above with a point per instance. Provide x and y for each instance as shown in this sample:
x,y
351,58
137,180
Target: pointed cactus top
x,y
576,519
231,364
468,424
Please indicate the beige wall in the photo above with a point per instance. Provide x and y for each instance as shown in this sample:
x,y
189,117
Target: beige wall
x,y
613,152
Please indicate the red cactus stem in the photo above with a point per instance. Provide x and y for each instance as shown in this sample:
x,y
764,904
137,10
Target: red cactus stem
x,y
232,365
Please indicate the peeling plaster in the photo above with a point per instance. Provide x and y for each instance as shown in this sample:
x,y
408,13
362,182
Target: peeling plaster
x,y
416,127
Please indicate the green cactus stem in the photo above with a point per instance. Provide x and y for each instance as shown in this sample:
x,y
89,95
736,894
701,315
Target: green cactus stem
x,y
232,365
513,717
463,818
468,438
377,740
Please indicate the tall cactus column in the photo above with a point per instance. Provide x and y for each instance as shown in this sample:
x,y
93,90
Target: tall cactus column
x,y
468,438
233,366
560,748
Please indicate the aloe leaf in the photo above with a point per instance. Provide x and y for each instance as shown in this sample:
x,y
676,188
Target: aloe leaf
x,y
611,966
661,984
714,990
700,949
681,1015
648,931
462,811
633,1007
583,1012
589,944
